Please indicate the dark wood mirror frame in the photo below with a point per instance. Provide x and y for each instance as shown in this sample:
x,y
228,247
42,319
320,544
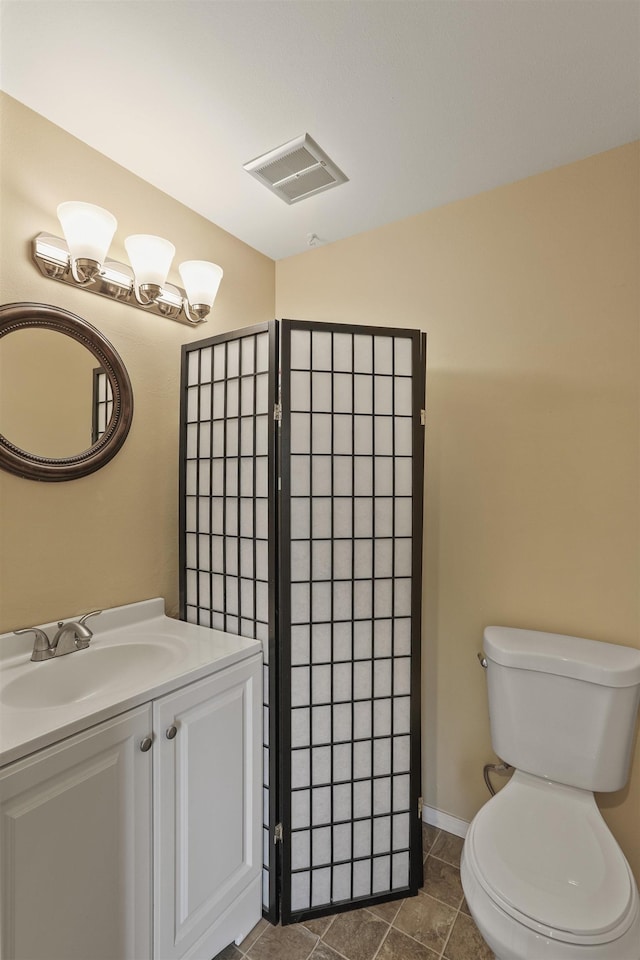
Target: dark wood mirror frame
x,y
21,316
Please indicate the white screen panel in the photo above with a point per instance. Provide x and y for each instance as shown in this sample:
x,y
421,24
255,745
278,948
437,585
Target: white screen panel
x,y
349,407
226,508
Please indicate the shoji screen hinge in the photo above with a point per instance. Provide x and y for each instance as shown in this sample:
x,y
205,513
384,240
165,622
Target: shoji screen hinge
x,y
277,411
423,418
277,833
420,806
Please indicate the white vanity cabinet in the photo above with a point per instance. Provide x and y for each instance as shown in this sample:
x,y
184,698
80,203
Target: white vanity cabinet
x,y
110,851
75,847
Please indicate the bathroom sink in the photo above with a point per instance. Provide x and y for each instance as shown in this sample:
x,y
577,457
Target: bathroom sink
x,y
72,678
136,654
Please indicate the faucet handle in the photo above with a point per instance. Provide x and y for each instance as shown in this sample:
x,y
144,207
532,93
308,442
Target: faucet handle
x,y
94,613
42,640
41,644
83,633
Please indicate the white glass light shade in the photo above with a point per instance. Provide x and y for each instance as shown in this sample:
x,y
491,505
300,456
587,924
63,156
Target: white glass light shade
x,y
150,258
201,280
88,229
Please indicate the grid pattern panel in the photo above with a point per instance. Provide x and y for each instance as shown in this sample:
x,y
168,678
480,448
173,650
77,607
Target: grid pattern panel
x,y
349,469
227,466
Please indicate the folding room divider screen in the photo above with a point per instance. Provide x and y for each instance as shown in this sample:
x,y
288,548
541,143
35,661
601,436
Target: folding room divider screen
x,y
301,524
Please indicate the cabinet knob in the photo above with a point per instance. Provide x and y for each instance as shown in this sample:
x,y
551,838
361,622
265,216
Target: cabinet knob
x,y
146,744
171,732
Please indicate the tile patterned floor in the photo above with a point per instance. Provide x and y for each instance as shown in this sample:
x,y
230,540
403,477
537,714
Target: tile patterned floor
x,y
435,924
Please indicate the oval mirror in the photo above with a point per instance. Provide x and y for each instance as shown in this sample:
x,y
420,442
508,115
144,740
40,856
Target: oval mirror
x,y
66,402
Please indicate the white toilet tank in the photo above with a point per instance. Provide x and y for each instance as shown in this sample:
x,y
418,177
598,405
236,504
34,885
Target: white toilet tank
x,y
563,708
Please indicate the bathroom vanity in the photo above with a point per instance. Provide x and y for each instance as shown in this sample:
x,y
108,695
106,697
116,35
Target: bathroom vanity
x,y
130,784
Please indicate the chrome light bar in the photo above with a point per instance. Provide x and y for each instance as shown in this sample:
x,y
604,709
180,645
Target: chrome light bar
x,y
115,281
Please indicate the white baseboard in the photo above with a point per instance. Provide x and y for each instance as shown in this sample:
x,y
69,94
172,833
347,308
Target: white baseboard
x,y
445,821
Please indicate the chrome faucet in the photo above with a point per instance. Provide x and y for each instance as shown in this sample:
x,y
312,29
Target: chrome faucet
x,y
71,636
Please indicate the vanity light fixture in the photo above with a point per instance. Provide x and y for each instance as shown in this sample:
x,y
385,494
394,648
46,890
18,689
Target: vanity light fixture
x,y
80,259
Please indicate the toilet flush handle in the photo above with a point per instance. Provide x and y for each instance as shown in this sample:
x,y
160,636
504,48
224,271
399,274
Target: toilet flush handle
x,y
483,660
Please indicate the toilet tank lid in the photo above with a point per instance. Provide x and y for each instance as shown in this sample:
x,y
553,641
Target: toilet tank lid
x,y
608,664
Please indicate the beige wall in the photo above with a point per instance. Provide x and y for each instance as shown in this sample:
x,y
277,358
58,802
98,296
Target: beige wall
x,y
109,538
529,295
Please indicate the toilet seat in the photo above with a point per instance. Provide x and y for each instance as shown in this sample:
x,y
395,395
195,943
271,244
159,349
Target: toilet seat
x,y
543,854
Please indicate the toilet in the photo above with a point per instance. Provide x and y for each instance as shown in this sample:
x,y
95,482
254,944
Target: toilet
x,y
543,876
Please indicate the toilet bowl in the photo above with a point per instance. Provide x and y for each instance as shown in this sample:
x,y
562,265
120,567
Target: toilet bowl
x,y
545,879
542,874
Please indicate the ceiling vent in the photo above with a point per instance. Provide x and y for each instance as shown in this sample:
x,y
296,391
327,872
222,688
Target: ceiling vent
x,y
296,170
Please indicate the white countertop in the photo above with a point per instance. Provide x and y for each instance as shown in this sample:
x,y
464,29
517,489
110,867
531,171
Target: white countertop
x,y
195,652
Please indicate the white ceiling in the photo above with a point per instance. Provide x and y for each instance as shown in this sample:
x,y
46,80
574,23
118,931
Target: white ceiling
x,y
420,103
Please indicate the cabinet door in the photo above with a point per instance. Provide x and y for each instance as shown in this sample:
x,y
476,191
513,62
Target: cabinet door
x,y
75,847
207,782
